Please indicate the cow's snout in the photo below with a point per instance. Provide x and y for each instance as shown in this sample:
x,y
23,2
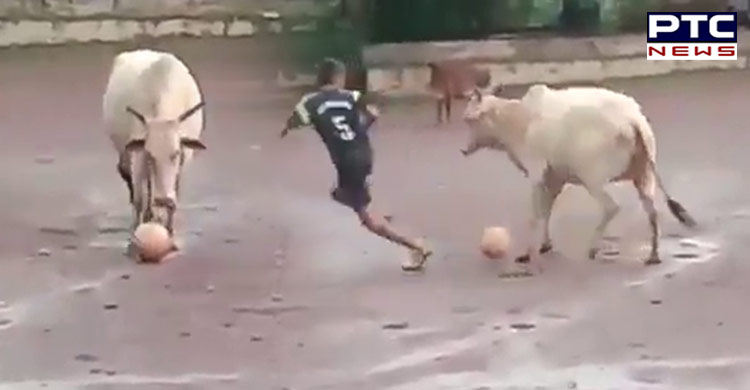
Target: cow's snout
x,y
471,119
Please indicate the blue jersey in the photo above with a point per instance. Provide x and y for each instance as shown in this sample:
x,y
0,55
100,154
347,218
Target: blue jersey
x,y
336,118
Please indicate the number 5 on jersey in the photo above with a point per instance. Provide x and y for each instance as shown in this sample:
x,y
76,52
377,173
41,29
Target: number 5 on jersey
x,y
344,130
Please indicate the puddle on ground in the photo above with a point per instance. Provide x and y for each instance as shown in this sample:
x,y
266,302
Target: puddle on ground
x,y
686,255
111,378
522,326
691,250
85,287
59,231
267,310
464,309
113,230
5,323
110,243
677,252
555,316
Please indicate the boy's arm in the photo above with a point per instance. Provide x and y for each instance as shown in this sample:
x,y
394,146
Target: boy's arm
x,y
369,113
300,117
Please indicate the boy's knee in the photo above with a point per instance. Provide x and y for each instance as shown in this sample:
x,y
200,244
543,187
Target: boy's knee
x,y
371,223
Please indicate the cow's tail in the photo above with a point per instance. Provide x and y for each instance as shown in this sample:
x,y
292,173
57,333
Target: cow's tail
x,y
675,207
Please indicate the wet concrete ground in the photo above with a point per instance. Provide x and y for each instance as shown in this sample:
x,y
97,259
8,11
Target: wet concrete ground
x,y
279,288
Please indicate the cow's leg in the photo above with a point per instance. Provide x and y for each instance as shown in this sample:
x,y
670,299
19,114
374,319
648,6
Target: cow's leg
x,y
609,208
448,101
537,196
142,200
439,106
140,207
123,168
170,221
645,185
517,162
170,227
135,186
177,186
132,250
471,148
553,186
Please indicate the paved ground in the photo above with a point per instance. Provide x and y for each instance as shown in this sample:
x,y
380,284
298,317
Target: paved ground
x,y
279,288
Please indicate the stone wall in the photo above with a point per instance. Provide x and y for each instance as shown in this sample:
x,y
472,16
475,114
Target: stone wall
x,y
401,69
42,9
39,22
45,32
397,69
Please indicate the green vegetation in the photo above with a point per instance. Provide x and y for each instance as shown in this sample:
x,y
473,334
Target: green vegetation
x,y
306,41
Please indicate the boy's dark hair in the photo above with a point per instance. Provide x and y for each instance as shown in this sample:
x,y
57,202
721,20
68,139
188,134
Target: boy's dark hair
x,y
328,70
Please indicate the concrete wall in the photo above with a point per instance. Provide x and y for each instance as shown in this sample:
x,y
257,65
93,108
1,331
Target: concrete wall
x,y
396,69
43,32
154,8
400,69
35,22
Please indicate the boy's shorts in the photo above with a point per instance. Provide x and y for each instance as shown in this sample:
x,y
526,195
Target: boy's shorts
x,y
353,188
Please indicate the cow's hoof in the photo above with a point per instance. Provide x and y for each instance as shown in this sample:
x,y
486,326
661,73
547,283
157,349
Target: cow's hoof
x,y
131,250
175,247
592,253
523,259
653,261
546,248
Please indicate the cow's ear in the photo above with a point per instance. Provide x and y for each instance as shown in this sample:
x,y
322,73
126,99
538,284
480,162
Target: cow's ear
x,y
187,114
135,144
192,143
136,114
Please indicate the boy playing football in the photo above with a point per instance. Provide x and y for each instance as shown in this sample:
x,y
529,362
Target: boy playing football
x,y
342,120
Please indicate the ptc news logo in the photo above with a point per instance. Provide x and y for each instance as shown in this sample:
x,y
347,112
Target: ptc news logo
x,y
692,36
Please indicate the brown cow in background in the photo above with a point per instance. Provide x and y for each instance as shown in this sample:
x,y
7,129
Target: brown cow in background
x,y
454,79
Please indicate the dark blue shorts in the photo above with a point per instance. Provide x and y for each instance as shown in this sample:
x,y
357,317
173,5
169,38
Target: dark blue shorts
x,y
353,189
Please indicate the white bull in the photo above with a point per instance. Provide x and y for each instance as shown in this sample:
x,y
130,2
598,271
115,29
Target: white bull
x,y
585,136
152,111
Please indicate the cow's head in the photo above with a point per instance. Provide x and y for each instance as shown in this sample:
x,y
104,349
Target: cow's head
x,y
477,106
494,122
163,149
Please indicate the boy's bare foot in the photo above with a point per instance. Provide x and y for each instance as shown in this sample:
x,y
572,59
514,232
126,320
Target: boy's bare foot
x,y
418,257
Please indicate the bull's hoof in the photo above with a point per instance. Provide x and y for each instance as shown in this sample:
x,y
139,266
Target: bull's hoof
x,y
546,248
523,259
592,253
653,261
175,247
131,250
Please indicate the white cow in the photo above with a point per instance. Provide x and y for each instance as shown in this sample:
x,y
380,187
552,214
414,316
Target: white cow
x,y
585,136
152,111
